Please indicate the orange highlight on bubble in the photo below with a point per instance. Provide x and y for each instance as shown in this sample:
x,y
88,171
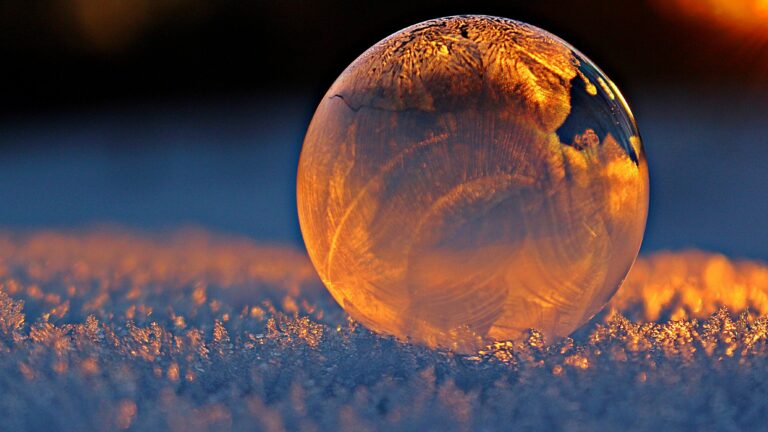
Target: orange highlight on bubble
x,y
469,178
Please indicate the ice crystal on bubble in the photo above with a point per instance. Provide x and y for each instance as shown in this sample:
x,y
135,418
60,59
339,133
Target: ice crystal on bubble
x,y
470,177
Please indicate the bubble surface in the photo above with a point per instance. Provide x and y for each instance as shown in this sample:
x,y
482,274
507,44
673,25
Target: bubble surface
x,y
469,178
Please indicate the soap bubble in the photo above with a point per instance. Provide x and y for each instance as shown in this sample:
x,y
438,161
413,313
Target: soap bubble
x,y
469,178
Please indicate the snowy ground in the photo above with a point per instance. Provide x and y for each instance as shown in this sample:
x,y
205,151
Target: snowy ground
x,y
188,331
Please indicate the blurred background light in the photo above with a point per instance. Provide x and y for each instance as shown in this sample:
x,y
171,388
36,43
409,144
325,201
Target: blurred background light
x,y
155,114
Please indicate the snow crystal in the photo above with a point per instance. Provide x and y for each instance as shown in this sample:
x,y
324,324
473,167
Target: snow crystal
x,y
114,330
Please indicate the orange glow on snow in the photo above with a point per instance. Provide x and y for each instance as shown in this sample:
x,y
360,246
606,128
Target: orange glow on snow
x,y
692,284
100,264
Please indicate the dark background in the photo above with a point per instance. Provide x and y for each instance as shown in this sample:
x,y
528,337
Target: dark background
x,y
160,113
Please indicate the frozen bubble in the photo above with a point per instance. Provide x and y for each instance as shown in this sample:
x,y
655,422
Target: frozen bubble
x,y
469,178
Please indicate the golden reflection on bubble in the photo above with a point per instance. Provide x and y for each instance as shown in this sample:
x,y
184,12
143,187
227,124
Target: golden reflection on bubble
x,y
469,178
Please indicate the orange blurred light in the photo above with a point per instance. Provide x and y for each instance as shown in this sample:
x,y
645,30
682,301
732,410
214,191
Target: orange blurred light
x,y
743,16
